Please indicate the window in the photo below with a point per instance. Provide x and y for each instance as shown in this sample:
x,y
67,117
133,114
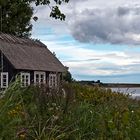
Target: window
x,y
52,80
4,79
25,79
39,77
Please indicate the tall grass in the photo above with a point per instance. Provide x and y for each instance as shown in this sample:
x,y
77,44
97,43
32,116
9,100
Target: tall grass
x,y
83,113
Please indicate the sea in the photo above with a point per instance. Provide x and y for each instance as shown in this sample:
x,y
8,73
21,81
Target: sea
x,y
134,92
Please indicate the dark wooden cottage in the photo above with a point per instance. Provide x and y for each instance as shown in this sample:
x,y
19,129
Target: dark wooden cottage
x,y
29,59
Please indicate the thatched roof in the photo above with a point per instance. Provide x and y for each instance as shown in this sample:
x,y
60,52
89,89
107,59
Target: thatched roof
x,y
27,54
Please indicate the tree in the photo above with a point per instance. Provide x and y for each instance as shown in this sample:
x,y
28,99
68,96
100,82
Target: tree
x,y
67,77
15,15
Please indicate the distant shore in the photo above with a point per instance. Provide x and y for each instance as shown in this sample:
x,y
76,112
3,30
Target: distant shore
x,y
110,85
120,85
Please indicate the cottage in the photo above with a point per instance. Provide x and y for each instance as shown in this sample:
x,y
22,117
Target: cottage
x,y
29,59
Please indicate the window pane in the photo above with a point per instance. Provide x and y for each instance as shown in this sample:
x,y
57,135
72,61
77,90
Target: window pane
x,y
4,84
37,76
4,80
26,83
4,76
37,79
41,76
41,80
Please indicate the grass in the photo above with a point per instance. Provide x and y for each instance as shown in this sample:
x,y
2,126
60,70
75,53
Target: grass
x,y
84,113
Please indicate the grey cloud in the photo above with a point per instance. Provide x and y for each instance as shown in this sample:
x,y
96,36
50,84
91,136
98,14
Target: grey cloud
x,y
123,11
115,26
82,60
121,69
136,62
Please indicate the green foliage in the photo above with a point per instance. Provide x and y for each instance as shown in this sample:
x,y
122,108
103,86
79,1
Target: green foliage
x,y
55,11
67,77
15,15
72,112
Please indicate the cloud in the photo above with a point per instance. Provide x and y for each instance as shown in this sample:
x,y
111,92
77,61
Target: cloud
x,y
115,22
96,21
118,25
123,11
89,62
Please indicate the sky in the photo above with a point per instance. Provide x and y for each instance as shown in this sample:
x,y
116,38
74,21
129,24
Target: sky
x,y
99,40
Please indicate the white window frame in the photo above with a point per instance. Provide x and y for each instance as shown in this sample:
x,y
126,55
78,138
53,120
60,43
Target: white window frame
x,y
39,73
4,84
52,80
25,82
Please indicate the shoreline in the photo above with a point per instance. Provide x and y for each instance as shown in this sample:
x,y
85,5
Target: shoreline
x,y
120,85
135,97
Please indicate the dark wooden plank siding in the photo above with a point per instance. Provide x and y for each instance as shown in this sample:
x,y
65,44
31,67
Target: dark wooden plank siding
x,y
7,67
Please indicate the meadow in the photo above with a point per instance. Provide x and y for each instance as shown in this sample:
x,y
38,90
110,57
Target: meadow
x,y
72,112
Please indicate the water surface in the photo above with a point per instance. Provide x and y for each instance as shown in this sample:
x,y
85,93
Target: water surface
x,y
135,92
